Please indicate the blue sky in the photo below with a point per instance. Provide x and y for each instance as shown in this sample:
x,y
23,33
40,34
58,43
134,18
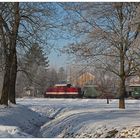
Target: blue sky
x,y
56,58
62,38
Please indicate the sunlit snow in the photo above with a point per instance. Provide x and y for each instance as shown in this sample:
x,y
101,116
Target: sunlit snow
x,y
78,118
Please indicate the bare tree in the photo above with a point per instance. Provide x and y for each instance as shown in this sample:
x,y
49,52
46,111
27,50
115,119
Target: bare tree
x,y
107,35
9,44
19,26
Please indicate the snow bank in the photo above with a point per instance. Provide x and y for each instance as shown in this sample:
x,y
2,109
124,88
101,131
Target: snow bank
x,y
19,121
12,132
132,132
73,118
89,123
92,119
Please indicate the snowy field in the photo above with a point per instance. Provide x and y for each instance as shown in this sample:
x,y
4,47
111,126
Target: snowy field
x,y
70,118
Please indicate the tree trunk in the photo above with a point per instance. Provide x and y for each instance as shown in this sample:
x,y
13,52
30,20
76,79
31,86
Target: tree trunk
x,y
107,100
13,75
122,58
13,70
5,89
122,79
8,91
122,94
122,103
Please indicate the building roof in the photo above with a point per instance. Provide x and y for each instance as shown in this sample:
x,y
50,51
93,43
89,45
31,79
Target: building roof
x,y
134,85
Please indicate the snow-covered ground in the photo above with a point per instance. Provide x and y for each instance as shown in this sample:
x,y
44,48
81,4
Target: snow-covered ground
x,y
19,121
78,118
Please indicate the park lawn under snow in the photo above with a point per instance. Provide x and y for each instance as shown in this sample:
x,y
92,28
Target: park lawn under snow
x,y
78,118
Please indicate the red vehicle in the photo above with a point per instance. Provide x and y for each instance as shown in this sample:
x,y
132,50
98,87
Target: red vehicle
x,y
63,91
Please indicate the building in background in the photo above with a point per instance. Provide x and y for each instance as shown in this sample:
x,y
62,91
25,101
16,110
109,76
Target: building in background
x,y
85,78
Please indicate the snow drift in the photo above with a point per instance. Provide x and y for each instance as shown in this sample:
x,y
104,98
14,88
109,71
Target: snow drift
x,y
70,118
19,121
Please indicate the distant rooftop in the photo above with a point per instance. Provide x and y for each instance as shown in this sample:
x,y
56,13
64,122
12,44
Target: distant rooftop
x,y
134,85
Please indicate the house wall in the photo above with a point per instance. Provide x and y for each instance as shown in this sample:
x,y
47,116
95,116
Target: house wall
x,y
86,78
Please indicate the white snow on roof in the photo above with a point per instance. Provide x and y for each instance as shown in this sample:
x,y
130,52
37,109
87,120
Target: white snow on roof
x,y
134,85
58,85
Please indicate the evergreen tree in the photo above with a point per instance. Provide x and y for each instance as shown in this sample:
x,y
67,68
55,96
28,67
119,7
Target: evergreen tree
x,y
35,56
62,75
35,64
